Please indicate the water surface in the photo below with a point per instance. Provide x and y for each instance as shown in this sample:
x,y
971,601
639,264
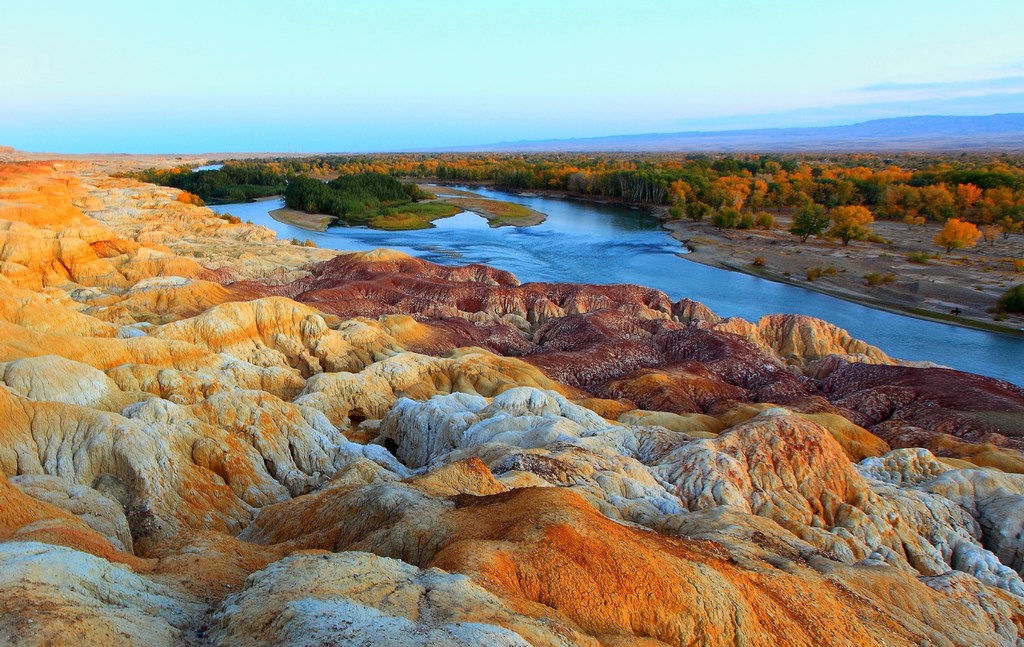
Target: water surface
x,y
585,242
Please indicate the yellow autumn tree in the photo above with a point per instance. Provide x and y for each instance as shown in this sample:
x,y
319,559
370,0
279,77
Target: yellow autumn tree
x,y
733,190
957,234
991,232
678,192
966,196
850,223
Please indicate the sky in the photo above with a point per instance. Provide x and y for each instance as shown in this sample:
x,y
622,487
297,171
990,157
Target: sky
x,y
307,75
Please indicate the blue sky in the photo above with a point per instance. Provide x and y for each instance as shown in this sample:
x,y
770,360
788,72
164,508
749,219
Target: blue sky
x,y
187,76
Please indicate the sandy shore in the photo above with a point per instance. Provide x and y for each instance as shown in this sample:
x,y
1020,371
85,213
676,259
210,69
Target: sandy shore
x,y
301,219
971,280
498,213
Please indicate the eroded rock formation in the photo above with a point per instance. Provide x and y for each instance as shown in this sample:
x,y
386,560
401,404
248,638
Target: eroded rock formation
x,y
210,436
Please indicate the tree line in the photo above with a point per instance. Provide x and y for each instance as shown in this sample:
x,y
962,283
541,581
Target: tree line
x,y
233,182
911,188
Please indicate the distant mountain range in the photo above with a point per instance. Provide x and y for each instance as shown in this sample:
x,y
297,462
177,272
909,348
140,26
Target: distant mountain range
x,y
1004,132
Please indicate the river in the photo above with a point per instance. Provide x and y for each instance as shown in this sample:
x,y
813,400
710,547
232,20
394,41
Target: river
x,y
586,242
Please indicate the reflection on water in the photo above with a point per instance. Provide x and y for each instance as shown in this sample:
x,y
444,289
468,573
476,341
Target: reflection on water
x,y
586,242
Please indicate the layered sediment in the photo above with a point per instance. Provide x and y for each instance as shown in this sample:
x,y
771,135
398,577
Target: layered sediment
x,y
211,436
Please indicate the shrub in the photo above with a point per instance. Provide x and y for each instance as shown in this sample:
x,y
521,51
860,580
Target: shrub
x,y
764,220
918,257
190,198
1013,299
696,211
911,220
726,218
817,272
877,278
758,262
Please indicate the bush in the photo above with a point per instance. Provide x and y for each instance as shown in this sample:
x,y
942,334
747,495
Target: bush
x,y
727,218
190,198
877,278
696,211
818,272
764,220
918,257
1013,299
758,262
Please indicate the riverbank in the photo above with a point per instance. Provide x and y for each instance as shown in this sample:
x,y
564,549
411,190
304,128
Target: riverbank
x,y
309,221
968,280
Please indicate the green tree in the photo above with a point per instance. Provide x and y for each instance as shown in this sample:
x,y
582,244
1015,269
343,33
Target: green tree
x,y
809,220
1013,299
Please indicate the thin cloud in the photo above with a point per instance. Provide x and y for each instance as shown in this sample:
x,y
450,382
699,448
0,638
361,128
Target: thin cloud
x,y
1002,84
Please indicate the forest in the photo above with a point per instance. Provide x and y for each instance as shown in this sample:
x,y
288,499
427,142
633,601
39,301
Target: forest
x,y
732,190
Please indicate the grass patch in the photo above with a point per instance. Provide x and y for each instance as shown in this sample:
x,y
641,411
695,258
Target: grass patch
x,y
498,212
419,215
921,258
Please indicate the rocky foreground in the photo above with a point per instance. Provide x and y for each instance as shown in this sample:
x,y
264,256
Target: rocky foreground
x,y
208,436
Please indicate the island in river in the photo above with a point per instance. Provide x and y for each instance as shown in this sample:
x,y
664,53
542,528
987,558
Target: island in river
x,y
449,201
